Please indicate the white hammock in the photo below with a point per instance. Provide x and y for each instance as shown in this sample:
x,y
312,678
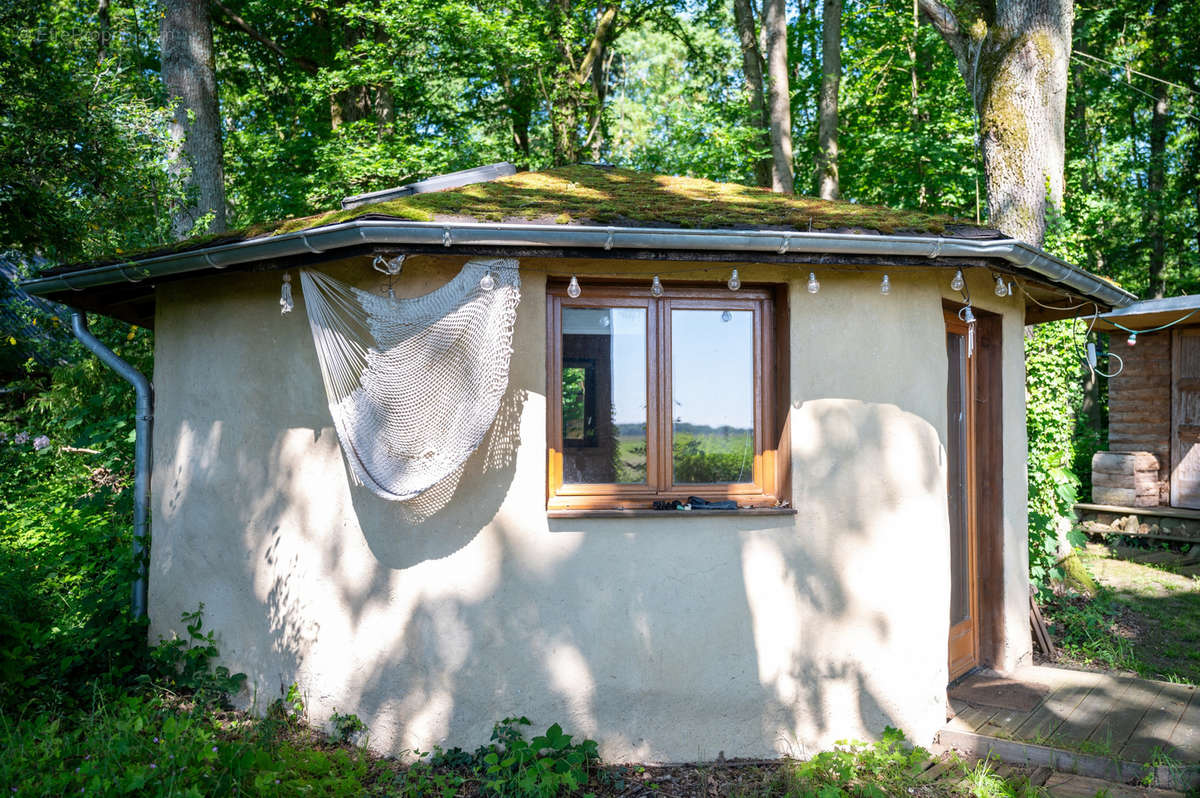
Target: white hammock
x,y
413,384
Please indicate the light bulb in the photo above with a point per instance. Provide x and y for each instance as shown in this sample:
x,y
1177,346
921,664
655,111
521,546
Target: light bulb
x,y
1132,339
1001,288
726,316
885,285
956,282
487,282
656,286
573,290
735,282
813,284
604,320
967,315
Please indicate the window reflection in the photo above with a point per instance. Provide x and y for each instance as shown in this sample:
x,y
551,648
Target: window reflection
x,y
712,391
604,395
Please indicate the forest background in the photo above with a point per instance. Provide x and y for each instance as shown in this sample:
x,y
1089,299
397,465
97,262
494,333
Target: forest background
x,y
314,100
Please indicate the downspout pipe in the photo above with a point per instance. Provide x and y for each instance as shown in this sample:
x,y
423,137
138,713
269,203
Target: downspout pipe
x,y
143,430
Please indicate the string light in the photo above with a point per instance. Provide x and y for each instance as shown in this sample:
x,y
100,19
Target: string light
x,y
956,282
487,282
726,316
814,285
573,290
1001,288
656,286
735,282
286,304
1132,339
885,285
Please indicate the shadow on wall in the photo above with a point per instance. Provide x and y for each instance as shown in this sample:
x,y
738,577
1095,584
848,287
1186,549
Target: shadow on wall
x,y
677,638
671,638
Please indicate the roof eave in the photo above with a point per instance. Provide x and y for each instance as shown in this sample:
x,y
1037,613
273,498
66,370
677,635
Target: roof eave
x,y
451,234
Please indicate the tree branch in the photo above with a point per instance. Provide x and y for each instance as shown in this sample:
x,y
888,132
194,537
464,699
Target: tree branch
x,y
305,64
944,21
604,26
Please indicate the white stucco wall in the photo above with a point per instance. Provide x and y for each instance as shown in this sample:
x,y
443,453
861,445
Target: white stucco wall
x,y
663,638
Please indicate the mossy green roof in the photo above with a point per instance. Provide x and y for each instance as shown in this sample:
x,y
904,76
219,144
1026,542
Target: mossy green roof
x,y
604,196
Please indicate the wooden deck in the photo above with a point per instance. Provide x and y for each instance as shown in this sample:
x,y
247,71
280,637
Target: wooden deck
x,y
1094,724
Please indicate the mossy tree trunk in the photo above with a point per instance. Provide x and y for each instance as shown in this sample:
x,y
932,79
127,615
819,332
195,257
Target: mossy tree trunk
x,y
779,94
831,78
752,69
576,93
189,75
1014,60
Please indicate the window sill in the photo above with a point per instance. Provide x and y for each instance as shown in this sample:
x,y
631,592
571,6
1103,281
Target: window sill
x,y
741,512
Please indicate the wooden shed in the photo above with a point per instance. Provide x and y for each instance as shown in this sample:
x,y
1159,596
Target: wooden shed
x,y
1152,467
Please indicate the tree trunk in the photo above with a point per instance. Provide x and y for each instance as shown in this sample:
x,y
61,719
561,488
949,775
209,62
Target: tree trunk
x,y
104,18
1156,169
1014,65
914,96
573,91
190,77
779,96
827,111
752,69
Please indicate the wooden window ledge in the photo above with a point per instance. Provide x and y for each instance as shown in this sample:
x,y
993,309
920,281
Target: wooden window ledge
x,y
742,512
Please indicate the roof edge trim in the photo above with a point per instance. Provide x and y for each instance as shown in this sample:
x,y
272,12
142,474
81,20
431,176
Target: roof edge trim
x,y
449,234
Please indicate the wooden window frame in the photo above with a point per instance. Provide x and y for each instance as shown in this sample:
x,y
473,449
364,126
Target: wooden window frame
x,y
769,481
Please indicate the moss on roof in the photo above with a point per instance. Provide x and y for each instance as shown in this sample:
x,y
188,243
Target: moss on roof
x,y
604,195
597,195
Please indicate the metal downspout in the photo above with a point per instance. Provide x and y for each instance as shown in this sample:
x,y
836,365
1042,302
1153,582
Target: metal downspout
x,y
143,429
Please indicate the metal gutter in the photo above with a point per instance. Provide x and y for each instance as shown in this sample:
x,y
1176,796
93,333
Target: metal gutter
x,y
143,430
450,234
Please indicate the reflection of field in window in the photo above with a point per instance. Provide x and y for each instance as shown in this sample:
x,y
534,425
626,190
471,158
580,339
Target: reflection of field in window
x,y
712,387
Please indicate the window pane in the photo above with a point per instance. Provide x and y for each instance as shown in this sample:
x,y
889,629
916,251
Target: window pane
x,y
956,467
604,395
712,387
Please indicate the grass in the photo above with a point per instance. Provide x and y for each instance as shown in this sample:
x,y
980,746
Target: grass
x,y
1143,619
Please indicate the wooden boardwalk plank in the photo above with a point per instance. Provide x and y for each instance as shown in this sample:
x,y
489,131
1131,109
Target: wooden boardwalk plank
x,y
1157,725
1106,696
1185,740
1115,730
973,717
1041,724
1067,785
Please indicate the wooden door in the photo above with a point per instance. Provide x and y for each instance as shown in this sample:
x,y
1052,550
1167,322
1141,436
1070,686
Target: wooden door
x,y
1185,418
961,486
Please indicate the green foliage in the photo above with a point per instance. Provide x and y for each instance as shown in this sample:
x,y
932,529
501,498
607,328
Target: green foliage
x,y
145,745
1084,629
1053,397
82,133
858,770
188,664
540,768
66,564
700,458
344,728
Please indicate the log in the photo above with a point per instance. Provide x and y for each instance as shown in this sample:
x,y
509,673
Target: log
x,y
1129,463
1124,497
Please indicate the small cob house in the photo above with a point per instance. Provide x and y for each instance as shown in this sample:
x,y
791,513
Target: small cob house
x,y
1148,482
752,477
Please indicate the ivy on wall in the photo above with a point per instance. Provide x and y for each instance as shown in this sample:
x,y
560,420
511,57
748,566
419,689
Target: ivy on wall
x,y
1054,377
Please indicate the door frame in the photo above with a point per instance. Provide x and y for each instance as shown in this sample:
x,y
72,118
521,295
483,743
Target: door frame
x,y
991,638
963,638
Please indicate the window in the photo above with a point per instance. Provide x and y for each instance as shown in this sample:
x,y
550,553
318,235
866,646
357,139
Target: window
x,y
666,397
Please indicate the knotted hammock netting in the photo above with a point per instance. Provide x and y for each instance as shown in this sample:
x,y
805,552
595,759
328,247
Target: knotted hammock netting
x,y
414,384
